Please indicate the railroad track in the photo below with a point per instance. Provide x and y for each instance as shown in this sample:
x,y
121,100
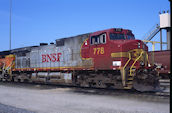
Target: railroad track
x,y
165,87
165,92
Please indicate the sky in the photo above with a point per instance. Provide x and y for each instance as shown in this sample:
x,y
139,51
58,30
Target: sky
x,y
44,21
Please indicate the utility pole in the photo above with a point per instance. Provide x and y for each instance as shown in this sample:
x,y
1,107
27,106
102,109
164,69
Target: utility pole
x,y
10,23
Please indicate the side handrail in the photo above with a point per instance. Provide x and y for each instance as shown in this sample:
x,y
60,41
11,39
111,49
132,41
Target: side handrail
x,y
123,74
147,58
135,61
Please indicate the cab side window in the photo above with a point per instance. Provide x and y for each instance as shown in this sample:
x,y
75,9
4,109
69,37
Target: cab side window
x,y
103,38
99,39
94,40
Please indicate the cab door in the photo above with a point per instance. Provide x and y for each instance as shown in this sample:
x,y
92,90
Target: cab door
x,y
98,51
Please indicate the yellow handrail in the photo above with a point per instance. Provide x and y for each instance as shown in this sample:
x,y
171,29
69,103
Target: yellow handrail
x,y
123,74
147,58
135,61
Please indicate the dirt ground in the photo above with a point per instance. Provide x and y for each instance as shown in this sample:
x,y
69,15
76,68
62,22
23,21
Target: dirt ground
x,y
40,99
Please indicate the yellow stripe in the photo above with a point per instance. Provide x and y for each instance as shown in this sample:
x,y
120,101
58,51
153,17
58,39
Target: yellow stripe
x,y
54,67
120,54
126,54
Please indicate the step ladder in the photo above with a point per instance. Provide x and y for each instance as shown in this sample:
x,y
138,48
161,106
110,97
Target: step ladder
x,y
130,78
152,32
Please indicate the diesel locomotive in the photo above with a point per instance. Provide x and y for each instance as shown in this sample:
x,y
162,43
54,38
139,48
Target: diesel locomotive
x,y
110,58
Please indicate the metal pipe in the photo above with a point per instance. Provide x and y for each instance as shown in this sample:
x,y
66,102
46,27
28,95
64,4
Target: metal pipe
x,y
161,39
153,49
153,46
168,39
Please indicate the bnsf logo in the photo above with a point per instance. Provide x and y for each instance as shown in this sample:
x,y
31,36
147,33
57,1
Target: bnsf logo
x,y
54,57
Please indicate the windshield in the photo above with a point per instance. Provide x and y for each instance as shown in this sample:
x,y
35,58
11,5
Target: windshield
x,y
130,37
114,36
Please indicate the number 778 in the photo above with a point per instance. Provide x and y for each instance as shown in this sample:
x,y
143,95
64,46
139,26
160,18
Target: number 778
x,y
99,50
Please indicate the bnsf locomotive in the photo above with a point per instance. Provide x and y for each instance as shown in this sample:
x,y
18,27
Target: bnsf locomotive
x,y
110,58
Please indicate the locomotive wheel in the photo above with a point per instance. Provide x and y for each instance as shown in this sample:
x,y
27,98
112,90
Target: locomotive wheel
x,y
84,84
146,80
100,84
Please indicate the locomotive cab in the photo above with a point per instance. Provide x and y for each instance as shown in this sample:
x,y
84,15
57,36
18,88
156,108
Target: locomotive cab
x,y
110,46
118,50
